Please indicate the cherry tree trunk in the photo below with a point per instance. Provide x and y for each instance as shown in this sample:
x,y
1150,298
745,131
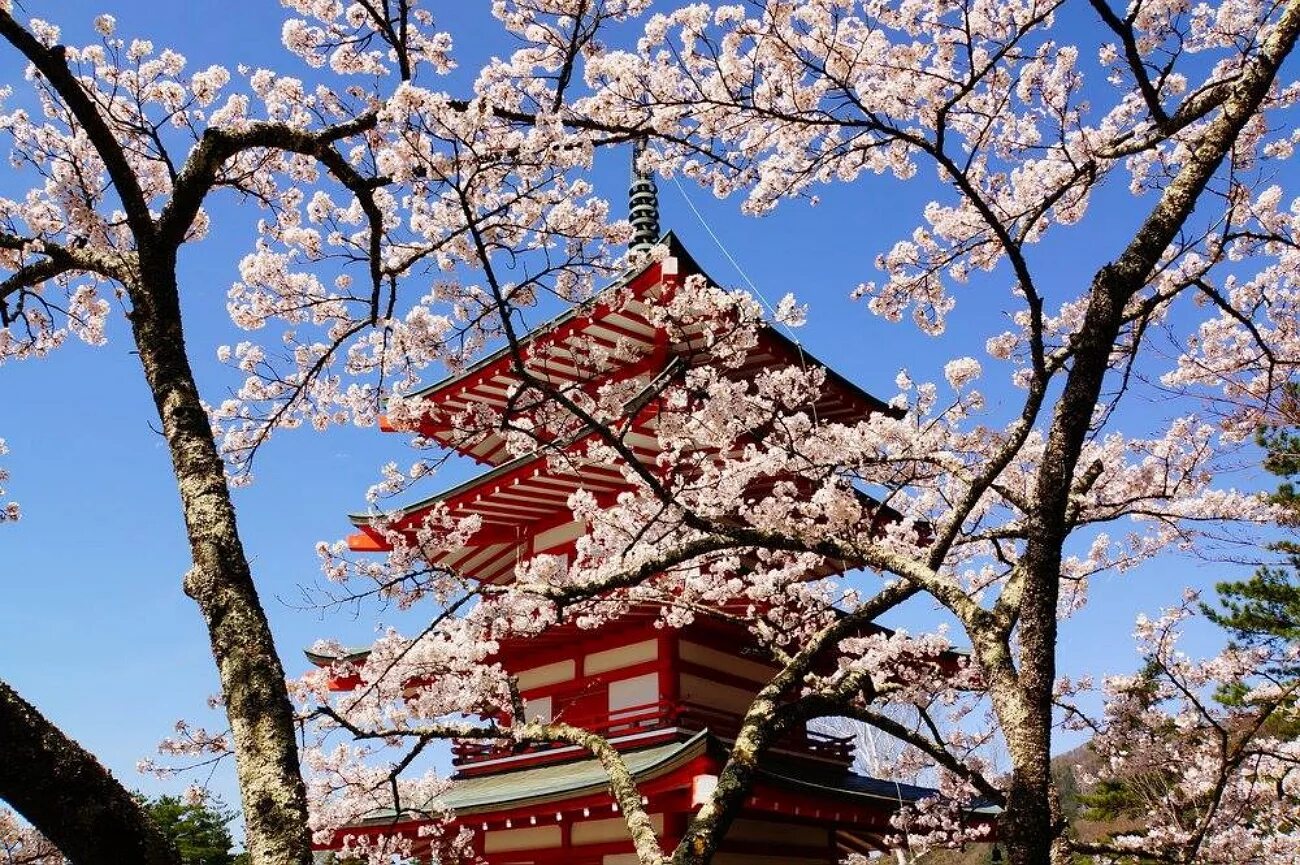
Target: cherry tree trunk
x,y
1026,825
252,677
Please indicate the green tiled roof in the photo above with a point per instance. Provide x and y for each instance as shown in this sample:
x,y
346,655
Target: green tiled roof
x,y
352,654
826,780
510,789
504,790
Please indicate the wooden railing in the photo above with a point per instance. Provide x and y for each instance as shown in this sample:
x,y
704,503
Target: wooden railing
x,y
624,722
646,718
839,748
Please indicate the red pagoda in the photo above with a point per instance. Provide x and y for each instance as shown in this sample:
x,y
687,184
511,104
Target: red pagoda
x,y
670,698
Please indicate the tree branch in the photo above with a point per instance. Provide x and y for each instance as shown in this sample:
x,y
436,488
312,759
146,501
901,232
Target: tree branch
x,y
62,790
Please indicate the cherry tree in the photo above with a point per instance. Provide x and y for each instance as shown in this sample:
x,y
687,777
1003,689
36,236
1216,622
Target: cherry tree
x,y
1200,754
21,845
404,226
767,101
10,511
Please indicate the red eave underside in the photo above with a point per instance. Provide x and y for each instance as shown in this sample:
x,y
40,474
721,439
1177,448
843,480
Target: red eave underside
x,y
604,326
601,326
515,507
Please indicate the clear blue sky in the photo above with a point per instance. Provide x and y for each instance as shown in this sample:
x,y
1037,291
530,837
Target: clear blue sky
x,y
94,628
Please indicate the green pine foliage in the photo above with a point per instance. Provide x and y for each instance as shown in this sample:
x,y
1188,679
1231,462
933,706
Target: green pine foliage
x,y
201,832
1265,609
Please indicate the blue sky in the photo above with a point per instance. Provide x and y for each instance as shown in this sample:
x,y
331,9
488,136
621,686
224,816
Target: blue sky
x,y
94,628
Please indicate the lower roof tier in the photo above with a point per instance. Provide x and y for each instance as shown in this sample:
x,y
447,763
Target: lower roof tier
x,y
555,812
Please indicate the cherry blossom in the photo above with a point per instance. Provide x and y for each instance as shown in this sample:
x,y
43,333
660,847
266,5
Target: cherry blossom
x,y
20,844
405,226
10,512
1232,797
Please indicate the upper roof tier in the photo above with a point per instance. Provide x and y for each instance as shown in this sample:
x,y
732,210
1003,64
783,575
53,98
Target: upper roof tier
x,y
522,500
608,338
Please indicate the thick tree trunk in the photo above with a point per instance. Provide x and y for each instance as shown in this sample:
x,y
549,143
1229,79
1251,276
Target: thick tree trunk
x,y
252,677
62,790
1027,825
709,825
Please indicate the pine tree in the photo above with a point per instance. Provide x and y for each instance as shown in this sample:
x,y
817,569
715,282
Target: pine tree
x,y
1265,609
200,831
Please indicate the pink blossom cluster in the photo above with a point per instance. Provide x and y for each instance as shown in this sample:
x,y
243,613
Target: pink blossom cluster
x,y
1213,775
405,226
10,511
20,844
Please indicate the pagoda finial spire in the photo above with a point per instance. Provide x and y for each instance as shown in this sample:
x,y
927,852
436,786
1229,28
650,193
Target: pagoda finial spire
x,y
643,203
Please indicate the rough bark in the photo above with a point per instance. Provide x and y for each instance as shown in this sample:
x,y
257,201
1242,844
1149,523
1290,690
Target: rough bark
x,y
1025,708
768,717
221,583
59,787
763,725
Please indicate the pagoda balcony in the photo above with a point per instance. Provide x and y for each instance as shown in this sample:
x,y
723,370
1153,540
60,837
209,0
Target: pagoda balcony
x,y
636,727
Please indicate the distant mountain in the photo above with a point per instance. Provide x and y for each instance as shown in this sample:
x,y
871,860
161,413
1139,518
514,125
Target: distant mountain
x,y
1067,769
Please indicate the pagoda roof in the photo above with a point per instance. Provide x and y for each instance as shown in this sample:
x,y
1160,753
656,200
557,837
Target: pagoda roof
x,y
556,449
479,483
540,785
675,249
507,790
489,379
346,655
497,792
817,778
518,500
